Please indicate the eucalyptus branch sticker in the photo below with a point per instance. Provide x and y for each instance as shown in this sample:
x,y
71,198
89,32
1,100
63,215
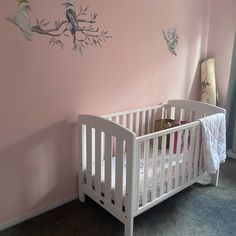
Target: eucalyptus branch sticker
x,y
78,24
172,39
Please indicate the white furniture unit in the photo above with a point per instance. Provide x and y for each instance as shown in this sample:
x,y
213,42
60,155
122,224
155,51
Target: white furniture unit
x,y
127,168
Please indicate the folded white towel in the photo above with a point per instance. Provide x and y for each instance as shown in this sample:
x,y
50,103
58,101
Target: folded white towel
x,y
213,141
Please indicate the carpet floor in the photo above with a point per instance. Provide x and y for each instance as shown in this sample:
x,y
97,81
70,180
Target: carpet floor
x,y
197,211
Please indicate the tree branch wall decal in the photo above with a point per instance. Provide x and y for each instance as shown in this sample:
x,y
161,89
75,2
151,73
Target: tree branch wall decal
x,y
79,25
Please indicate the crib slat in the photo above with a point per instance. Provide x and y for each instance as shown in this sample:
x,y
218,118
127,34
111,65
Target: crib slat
x,y
84,147
119,174
152,120
143,122
169,181
163,158
183,176
191,152
137,123
98,161
154,168
131,120
149,121
196,153
124,120
89,156
117,119
138,153
146,157
179,141
108,167
93,151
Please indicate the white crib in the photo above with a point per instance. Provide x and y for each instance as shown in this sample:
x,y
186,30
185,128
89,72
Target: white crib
x,y
127,168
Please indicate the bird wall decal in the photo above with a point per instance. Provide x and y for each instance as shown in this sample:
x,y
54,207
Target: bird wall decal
x,y
80,23
71,17
22,18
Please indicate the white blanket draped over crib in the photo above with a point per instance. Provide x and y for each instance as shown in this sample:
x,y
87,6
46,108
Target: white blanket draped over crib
x,y
213,141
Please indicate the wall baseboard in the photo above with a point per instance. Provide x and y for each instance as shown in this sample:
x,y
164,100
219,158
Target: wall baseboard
x,y
230,154
36,213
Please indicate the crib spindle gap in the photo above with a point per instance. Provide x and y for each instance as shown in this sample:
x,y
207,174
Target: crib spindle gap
x,y
183,175
171,147
146,160
163,159
178,155
98,161
154,170
108,167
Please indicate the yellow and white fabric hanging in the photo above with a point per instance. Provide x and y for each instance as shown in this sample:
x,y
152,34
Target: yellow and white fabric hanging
x,y
208,83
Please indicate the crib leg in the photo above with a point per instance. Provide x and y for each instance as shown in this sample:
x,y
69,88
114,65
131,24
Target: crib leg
x,y
129,227
215,178
81,193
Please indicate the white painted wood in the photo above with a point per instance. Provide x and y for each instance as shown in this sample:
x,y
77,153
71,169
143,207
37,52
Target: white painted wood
x,y
120,215
167,131
81,159
93,149
117,119
163,155
131,121
108,167
110,129
138,157
185,143
169,173
143,126
124,120
154,170
164,197
137,118
132,111
89,157
98,160
149,121
146,160
196,106
177,165
131,181
119,174
129,225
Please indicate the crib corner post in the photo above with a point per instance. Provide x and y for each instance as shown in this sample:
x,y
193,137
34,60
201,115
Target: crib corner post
x,y
129,226
81,194
215,178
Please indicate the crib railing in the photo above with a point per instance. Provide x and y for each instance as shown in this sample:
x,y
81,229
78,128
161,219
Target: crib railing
x,y
140,121
175,163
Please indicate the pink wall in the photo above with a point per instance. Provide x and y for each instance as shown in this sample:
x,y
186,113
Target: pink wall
x,y
42,89
221,42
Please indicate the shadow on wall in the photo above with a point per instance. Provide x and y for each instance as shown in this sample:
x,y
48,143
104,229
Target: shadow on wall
x,y
194,93
38,171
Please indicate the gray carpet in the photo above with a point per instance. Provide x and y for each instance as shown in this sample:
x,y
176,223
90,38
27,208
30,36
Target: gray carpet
x,y
198,210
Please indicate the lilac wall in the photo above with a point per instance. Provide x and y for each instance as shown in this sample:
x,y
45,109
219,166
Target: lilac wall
x,y
43,89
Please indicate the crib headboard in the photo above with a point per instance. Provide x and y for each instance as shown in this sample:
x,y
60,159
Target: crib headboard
x,y
190,110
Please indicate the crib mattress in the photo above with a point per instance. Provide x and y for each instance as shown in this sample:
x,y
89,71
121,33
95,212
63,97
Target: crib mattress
x,y
141,176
